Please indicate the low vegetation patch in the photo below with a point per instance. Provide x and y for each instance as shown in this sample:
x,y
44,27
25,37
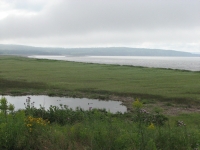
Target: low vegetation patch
x,y
64,128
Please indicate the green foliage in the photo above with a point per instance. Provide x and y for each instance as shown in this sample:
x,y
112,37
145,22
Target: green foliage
x,y
137,104
151,145
143,116
94,129
12,131
4,107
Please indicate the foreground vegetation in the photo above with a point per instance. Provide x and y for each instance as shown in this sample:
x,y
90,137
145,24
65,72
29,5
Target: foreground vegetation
x,y
63,128
20,75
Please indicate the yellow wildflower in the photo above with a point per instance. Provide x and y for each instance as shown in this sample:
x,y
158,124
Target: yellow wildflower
x,y
29,125
137,104
151,126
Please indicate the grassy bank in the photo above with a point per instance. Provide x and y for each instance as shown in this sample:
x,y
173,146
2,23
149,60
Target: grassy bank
x,y
31,76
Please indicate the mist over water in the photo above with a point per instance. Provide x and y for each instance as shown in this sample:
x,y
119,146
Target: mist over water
x,y
182,63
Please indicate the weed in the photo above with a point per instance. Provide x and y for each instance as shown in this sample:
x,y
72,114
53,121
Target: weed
x,y
95,129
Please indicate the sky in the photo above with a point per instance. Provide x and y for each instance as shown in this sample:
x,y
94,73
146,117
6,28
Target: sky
x,y
160,24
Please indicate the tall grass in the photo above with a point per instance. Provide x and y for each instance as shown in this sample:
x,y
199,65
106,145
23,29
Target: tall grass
x,y
64,128
32,76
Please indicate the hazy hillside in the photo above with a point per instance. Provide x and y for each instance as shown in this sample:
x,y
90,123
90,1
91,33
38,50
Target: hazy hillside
x,y
113,51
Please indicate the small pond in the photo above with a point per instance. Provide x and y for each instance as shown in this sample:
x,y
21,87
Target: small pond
x,y
84,103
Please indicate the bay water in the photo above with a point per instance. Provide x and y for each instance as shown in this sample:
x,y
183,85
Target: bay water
x,y
181,63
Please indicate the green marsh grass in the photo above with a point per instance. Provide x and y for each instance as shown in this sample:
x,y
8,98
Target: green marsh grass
x,y
19,75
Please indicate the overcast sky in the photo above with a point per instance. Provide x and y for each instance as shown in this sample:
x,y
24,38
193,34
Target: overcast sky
x,y
162,24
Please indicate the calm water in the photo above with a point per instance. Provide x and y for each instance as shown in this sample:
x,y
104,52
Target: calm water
x,y
183,63
46,101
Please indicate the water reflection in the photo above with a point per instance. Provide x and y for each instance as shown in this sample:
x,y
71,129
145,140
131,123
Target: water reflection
x,y
84,103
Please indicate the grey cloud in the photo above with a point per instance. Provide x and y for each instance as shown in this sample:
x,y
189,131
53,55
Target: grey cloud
x,y
88,16
77,16
29,5
116,21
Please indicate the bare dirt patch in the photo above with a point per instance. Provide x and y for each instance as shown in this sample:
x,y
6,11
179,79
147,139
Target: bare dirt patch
x,y
167,108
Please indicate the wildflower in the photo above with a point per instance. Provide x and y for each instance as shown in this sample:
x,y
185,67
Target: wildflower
x,y
29,125
151,126
32,122
137,104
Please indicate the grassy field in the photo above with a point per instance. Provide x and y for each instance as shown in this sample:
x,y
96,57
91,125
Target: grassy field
x,y
20,75
64,128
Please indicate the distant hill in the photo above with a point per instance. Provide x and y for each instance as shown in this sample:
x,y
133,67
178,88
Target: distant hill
x,y
111,51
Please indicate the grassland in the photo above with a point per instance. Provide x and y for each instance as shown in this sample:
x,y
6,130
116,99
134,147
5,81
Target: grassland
x,y
68,129
20,75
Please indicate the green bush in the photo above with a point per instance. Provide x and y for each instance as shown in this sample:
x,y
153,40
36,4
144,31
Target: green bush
x,y
64,128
